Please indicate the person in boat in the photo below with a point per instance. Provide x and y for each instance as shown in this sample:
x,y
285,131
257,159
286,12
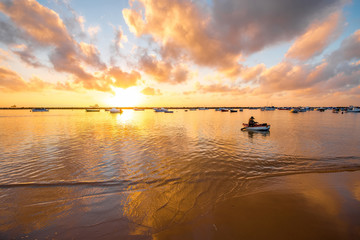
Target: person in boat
x,y
252,121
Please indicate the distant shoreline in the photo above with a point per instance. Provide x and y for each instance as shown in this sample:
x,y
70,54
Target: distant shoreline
x,y
83,108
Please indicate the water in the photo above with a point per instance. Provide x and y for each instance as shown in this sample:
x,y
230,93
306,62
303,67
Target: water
x,y
141,175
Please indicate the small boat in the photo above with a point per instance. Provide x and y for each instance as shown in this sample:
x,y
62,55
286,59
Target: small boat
x,y
193,109
241,110
115,110
335,110
294,110
139,109
168,111
354,110
39,110
233,110
160,109
224,110
92,110
256,127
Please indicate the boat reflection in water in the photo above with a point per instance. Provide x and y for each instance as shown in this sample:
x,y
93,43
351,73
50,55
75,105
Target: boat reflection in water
x,y
251,134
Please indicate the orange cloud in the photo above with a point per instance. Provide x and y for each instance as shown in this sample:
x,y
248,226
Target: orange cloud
x,y
10,81
122,79
316,38
150,91
218,35
163,71
220,88
336,73
181,29
36,27
251,73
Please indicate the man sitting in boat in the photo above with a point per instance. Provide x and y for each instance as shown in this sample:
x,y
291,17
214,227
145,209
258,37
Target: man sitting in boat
x,y
252,122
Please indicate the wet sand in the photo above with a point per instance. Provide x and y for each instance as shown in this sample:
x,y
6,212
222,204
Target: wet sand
x,y
304,206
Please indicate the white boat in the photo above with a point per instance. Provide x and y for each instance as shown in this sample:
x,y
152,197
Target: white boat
x,y
160,109
354,110
115,110
257,127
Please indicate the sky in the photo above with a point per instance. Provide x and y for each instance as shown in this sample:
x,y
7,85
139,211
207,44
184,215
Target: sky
x,y
179,53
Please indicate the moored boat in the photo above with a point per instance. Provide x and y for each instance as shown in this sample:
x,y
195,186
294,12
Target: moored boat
x,y
354,110
160,109
294,110
233,110
115,110
92,110
39,110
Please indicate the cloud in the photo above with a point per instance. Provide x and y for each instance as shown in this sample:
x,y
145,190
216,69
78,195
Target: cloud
x,y
221,88
316,38
181,28
26,55
10,81
338,72
163,71
218,35
122,79
151,91
38,28
250,74
93,31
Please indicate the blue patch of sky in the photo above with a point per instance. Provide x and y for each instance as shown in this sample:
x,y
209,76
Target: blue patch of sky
x,y
270,56
352,18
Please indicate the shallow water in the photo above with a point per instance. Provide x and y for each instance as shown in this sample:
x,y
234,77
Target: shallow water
x,y
141,175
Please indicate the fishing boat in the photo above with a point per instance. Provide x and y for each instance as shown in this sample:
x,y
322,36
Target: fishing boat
x,y
39,110
92,110
115,110
256,127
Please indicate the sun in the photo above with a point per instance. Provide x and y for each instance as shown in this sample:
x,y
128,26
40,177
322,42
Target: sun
x,y
129,97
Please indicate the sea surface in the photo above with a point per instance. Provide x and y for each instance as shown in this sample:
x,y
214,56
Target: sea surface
x,y
71,174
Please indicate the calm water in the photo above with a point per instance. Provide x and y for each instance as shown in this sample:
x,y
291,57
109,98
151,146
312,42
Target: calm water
x,y
187,175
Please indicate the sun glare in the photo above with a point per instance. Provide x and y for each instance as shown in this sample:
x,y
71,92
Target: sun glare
x,y
129,97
